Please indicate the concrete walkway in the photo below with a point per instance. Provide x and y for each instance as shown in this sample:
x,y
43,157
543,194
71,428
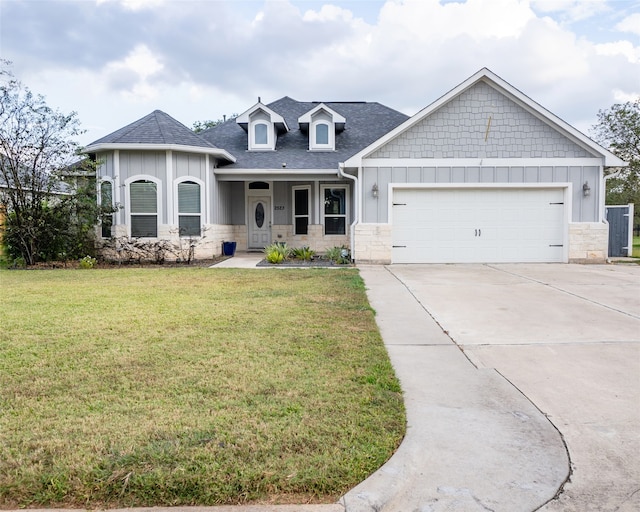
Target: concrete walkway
x,y
473,441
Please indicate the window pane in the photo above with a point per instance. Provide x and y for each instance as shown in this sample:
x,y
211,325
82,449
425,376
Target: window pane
x,y
322,134
334,225
107,221
106,193
302,226
260,133
188,197
334,201
144,225
144,197
301,206
189,225
106,200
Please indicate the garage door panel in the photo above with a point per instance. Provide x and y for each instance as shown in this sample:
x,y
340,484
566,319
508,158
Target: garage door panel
x,y
478,225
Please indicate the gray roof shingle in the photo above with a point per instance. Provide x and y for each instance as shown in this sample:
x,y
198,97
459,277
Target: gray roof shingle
x,y
365,123
155,128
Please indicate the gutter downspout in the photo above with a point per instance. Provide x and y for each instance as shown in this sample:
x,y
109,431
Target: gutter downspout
x,y
356,206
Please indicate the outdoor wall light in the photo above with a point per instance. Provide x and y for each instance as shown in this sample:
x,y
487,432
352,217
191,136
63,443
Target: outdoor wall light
x,y
374,190
586,189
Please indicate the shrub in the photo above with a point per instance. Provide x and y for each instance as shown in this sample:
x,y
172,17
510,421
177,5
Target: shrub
x,y
88,262
303,253
339,255
276,252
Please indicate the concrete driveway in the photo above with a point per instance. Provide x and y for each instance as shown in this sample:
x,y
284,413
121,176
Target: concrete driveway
x,y
568,338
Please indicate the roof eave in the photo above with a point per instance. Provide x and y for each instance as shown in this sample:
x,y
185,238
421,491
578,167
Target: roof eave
x,y
217,152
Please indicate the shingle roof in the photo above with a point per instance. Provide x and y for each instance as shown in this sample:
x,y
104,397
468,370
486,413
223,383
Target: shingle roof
x,y
155,128
365,123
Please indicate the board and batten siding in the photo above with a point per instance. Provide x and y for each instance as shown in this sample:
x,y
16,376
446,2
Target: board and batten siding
x,y
584,209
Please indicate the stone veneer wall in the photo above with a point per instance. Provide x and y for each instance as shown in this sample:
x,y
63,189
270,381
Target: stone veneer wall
x,y
315,239
373,243
588,242
209,246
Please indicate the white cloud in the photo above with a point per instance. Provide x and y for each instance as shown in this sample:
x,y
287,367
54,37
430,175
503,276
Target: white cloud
x,y
630,24
620,48
203,59
131,75
135,5
571,10
623,96
328,13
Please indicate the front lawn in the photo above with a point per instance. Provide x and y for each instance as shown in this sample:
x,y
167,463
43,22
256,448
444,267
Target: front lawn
x,y
636,247
188,386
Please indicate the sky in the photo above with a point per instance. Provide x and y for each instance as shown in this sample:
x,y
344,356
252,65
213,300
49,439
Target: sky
x,y
115,61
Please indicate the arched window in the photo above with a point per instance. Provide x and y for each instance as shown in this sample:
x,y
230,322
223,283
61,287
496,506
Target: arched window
x,y
106,201
143,201
189,210
322,134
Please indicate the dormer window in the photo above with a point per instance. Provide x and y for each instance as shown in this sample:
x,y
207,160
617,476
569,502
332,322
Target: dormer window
x,y
262,126
321,132
260,134
321,123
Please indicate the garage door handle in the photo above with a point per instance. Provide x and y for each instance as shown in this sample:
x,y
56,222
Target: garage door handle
x,y
399,204
556,245
478,232
399,246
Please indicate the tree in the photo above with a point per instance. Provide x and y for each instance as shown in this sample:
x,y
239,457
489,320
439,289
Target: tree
x,y
618,129
45,218
200,126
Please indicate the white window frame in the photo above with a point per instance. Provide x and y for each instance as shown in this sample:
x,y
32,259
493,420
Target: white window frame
x,y
252,135
113,191
158,213
293,209
314,144
178,214
346,208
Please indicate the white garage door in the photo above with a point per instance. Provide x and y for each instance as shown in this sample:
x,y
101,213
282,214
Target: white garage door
x,y
495,225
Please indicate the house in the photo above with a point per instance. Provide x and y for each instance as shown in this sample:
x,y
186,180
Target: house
x,y
483,174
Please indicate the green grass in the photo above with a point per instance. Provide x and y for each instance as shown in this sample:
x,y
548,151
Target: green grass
x,y
141,387
636,247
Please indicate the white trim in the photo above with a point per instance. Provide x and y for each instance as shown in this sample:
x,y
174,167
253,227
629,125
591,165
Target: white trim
x,y
169,180
253,145
347,204
118,190
331,136
176,217
482,162
217,152
307,116
143,177
207,195
293,206
491,79
245,117
277,172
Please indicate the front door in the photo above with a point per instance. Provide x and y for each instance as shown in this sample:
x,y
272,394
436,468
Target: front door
x,y
259,222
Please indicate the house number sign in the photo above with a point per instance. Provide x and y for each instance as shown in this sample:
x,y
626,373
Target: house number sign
x,y
278,207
